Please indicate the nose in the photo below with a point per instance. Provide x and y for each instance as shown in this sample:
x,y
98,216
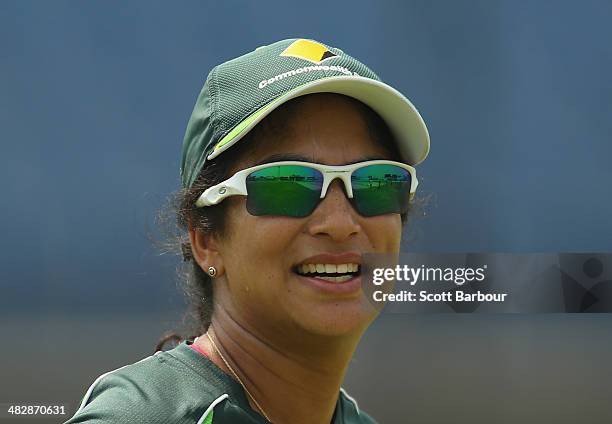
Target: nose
x,y
334,216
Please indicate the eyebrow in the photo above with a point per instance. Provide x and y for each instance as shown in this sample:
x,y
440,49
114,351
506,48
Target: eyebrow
x,y
280,157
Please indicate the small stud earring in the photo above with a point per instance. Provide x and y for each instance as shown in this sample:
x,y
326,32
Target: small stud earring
x,y
212,271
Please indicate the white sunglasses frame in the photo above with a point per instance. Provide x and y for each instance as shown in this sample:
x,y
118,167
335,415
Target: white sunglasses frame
x,y
236,184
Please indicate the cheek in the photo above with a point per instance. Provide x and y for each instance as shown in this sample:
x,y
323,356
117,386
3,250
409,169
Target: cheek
x,y
384,232
258,244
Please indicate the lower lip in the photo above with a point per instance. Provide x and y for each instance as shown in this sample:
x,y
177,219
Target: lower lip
x,y
348,287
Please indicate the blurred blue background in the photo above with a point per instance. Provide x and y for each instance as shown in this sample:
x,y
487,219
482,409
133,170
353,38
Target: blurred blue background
x,y
94,100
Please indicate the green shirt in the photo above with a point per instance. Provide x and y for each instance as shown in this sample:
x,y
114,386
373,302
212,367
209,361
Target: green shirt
x,y
180,386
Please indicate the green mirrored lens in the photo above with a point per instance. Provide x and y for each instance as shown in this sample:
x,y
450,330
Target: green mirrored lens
x,y
381,189
288,190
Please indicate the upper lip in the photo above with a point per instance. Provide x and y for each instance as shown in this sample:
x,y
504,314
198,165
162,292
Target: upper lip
x,y
333,258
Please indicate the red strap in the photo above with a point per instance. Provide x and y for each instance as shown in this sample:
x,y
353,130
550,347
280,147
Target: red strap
x,y
197,349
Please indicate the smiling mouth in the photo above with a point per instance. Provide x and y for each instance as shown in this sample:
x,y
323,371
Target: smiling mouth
x,y
333,273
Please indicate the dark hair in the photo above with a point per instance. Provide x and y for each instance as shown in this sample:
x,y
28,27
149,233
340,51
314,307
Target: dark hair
x,y
196,284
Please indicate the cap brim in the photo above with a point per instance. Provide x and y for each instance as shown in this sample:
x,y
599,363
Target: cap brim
x,y
397,111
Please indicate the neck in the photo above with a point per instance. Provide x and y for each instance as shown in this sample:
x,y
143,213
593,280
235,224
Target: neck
x,y
294,377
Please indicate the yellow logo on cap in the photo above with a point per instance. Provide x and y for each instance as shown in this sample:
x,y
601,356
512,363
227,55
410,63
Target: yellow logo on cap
x,y
308,50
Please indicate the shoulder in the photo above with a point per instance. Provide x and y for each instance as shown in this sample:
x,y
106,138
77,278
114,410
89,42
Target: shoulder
x,y
352,414
160,388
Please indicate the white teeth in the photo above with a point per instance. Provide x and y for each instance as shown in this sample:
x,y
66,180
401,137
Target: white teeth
x,y
330,268
348,268
340,279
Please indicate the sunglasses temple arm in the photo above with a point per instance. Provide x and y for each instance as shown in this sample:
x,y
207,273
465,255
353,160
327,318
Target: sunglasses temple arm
x,y
234,186
413,191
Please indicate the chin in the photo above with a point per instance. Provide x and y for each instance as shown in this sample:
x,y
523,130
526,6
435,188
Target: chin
x,y
335,318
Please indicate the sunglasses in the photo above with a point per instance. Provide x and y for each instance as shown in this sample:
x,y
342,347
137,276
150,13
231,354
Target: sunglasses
x,y
293,188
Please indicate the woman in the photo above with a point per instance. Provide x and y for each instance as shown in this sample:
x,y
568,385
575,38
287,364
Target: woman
x,y
296,161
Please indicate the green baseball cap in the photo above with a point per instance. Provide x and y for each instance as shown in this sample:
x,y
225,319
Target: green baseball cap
x,y
241,92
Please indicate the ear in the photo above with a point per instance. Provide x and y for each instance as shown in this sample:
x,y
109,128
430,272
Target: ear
x,y
205,251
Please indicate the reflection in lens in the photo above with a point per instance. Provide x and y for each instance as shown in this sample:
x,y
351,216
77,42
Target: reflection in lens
x,y
288,190
381,189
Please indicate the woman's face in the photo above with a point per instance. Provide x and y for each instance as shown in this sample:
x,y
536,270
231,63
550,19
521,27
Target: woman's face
x,y
259,254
